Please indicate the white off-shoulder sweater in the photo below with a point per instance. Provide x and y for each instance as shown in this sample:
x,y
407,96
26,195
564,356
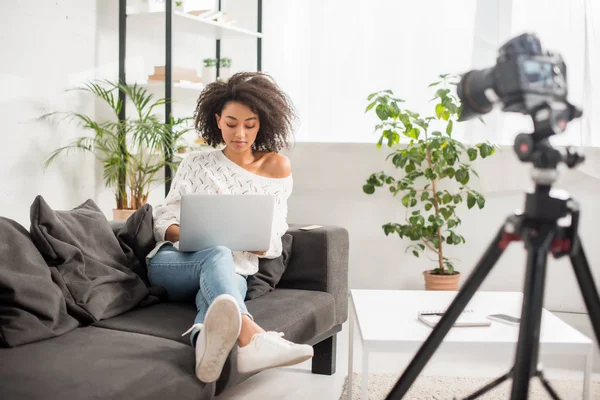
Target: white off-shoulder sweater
x,y
211,172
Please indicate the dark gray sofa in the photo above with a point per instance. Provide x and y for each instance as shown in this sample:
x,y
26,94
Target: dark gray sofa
x,y
142,355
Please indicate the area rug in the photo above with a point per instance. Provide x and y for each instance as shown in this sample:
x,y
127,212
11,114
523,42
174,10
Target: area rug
x,y
438,388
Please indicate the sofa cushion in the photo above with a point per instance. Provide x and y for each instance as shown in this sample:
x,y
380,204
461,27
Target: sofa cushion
x,y
164,320
137,240
300,314
270,271
93,271
32,307
96,363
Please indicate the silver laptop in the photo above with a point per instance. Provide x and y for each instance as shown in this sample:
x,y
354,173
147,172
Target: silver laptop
x,y
239,222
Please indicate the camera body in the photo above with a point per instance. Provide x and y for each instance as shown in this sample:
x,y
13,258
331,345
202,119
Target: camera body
x,y
524,80
529,81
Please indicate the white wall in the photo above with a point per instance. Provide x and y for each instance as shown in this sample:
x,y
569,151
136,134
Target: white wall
x,y
328,181
47,47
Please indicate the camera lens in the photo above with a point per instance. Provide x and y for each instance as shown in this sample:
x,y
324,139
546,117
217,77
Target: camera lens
x,y
472,93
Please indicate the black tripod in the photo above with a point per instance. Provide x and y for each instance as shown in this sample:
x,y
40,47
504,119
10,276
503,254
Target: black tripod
x,y
537,226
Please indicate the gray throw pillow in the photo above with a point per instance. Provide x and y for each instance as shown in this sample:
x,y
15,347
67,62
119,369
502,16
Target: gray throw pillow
x,y
89,264
270,271
32,307
137,240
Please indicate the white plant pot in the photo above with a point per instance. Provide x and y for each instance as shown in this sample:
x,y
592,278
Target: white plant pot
x,y
224,73
209,74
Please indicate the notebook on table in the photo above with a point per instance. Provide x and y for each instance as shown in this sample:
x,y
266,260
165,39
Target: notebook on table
x,y
467,318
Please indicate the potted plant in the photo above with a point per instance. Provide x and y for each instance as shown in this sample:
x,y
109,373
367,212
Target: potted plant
x,y
132,151
225,68
436,169
209,73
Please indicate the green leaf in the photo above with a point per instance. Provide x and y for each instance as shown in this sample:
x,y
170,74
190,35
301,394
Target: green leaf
x,y
394,110
452,223
434,83
481,202
428,206
371,96
450,268
379,142
472,154
410,167
456,239
369,189
446,115
424,196
388,91
449,239
382,112
416,253
388,228
370,106
462,176
449,128
412,133
406,200
471,200
439,110
413,202
450,172
436,133
447,198
457,199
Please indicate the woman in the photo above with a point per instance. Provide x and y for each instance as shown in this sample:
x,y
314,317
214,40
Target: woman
x,y
252,117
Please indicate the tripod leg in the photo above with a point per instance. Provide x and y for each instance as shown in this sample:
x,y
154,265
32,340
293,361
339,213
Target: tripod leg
x,y
489,386
549,388
482,269
538,242
586,284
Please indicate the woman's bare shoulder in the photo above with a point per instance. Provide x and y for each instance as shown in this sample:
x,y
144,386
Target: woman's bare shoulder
x,y
276,165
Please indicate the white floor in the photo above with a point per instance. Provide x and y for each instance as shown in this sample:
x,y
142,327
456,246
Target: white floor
x,y
298,382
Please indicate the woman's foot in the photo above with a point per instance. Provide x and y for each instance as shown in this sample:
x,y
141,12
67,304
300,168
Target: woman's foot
x,y
270,350
217,337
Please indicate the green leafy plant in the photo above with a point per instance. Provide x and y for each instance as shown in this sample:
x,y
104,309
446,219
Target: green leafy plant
x,y
429,160
210,62
132,151
225,62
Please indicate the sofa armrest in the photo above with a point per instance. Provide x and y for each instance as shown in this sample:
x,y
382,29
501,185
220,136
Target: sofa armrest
x,y
116,225
319,261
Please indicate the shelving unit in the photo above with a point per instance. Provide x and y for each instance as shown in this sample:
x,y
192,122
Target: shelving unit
x,y
184,23
155,85
192,24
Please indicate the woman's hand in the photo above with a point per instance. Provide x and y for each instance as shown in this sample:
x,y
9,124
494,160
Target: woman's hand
x,y
172,234
258,253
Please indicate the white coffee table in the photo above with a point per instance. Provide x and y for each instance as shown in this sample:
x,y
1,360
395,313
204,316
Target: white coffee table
x,y
387,322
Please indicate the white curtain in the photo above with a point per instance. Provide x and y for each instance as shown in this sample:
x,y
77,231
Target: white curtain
x,y
330,54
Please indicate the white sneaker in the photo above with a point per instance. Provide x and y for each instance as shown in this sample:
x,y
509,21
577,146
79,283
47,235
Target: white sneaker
x,y
217,337
270,350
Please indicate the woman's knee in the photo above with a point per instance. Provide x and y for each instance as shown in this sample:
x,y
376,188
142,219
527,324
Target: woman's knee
x,y
221,254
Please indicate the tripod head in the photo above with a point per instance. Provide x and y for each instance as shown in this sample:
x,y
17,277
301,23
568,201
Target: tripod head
x,y
535,147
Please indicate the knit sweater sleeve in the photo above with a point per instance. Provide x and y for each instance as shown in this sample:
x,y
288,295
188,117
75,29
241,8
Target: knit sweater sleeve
x,y
168,213
280,225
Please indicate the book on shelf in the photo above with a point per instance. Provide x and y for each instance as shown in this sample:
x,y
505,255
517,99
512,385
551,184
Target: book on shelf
x,y
467,318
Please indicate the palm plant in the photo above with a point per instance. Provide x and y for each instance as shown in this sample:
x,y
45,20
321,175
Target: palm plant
x,y
132,150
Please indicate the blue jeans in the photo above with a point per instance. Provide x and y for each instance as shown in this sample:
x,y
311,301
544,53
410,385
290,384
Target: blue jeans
x,y
202,275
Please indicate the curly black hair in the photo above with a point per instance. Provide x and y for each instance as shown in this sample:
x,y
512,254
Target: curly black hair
x,y
259,92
